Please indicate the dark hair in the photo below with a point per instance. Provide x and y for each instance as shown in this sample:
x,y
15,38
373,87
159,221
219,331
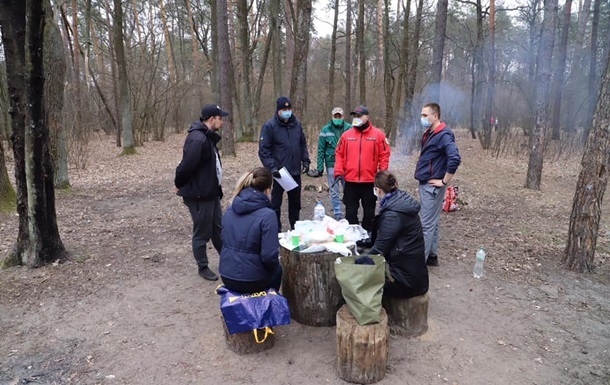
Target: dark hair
x,y
386,181
435,108
259,178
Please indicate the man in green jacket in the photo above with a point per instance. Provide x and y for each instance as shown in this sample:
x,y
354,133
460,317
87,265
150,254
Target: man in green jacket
x,y
327,143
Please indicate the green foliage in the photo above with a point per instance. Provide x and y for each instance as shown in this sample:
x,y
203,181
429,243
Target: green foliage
x,y
8,200
129,151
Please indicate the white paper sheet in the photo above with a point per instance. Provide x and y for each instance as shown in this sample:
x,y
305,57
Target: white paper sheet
x,y
286,181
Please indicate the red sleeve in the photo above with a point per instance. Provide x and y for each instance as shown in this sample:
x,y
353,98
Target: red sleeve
x,y
340,157
384,151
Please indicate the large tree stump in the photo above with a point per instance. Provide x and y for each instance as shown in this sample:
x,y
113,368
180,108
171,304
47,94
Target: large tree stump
x,y
362,350
244,343
310,286
407,316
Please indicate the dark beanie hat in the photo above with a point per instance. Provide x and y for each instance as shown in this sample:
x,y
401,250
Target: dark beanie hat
x,y
283,102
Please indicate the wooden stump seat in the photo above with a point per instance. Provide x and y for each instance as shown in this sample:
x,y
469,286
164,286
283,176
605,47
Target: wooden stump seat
x,y
407,316
310,286
362,350
244,343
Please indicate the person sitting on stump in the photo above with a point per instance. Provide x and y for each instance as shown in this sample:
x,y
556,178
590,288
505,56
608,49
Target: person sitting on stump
x,y
249,259
399,237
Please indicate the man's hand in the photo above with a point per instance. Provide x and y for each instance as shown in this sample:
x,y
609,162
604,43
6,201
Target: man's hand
x,y
436,183
338,178
276,174
305,168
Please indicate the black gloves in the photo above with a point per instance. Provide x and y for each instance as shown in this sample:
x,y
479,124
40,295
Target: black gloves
x,y
276,174
305,168
339,178
320,172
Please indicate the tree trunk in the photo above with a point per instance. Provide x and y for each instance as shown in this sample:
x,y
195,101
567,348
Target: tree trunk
x,y
55,70
591,186
76,69
593,84
276,51
403,59
124,96
226,80
559,72
333,58
361,56
247,127
38,240
491,80
348,55
215,51
437,52
478,76
298,81
380,65
115,85
388,77
545,55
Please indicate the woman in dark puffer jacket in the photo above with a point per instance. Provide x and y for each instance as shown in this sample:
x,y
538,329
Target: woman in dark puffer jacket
x,y
398,236
249,259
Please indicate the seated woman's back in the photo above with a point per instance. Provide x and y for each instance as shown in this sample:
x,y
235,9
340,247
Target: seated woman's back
x,y
250,247
399,237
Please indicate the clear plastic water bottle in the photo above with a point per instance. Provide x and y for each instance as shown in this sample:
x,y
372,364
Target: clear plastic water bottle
x,y
319,212
477,272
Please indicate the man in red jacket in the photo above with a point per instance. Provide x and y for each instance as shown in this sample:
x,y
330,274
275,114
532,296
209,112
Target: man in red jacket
x,y
362,151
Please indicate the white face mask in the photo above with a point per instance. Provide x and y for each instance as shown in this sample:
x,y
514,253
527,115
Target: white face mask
x,y
375,192
357,122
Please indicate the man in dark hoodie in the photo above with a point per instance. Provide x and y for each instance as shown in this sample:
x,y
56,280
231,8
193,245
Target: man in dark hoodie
x,y
282,144
438,161
198,180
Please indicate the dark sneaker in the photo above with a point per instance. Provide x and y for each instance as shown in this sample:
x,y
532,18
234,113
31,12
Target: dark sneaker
x,y
208,274
432,260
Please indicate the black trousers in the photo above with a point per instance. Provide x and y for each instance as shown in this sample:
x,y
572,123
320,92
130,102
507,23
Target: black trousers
x,y
207,225
353,195
274,281
294,202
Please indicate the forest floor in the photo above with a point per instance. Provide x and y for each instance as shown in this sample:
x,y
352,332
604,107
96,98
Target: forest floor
x,y
129,308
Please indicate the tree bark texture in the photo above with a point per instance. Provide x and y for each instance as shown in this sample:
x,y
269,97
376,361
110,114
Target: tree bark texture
x,y
333,57
362,350
348,55
38,240
310,286
226,79
591,186
543,81
361,54
298,83
407,316
593,85
437,52
55,72
124,96
559,77
247,128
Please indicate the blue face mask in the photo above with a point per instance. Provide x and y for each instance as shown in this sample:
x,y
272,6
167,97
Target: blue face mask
x,y
425,122
286,114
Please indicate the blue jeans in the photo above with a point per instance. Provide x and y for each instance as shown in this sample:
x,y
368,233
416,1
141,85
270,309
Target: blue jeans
x,y
335,192
431,200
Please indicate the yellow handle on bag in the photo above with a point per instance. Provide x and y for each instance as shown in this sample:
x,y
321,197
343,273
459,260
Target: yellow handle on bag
x,y
268,331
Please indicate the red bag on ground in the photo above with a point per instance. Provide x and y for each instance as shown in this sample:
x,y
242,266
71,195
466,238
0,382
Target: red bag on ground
x,y
450,201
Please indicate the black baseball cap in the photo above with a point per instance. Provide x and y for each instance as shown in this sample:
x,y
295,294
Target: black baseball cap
x,y
360,110
211,110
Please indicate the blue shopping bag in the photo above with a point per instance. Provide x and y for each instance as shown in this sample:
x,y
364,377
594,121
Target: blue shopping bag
x,y
247,312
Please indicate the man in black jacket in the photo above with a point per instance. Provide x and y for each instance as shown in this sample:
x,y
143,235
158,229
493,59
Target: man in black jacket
x,y
198,180
283,144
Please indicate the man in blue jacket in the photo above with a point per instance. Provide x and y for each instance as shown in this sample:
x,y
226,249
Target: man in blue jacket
x,y
198,180
438,161
282,144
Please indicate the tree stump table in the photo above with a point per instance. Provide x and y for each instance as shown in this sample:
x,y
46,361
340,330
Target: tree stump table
x,y
310,286
407,316
362,350
244,343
